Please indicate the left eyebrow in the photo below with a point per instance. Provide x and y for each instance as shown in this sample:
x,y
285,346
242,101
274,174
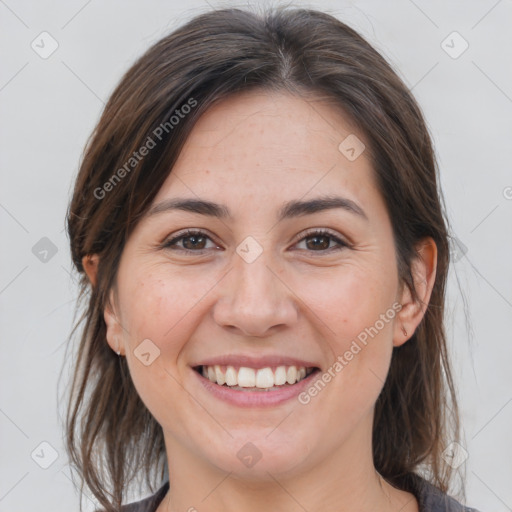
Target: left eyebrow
x,y
298,208
289,210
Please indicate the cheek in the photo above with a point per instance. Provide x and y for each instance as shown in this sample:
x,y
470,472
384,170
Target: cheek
x,y
158,310
157,307
349,299
356,310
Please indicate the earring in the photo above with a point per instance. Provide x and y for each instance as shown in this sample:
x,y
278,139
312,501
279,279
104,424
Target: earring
x,y
404,331
118,351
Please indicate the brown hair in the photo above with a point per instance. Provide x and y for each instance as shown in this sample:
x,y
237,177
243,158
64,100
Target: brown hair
x,y
111,436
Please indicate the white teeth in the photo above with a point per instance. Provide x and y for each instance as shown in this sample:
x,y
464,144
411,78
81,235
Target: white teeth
x,y
263,378
231,376
220,376
246,377
291,375
280,375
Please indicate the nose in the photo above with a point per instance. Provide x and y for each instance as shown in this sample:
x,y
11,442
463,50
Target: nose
x,y
254,299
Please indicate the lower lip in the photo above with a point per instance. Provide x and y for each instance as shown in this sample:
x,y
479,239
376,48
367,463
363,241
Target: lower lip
x,y
256,398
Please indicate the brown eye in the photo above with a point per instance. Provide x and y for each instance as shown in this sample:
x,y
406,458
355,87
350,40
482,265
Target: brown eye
x,y
315,241
191,241
194,242
320,241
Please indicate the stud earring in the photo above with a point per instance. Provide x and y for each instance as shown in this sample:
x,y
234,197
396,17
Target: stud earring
x,y
117,351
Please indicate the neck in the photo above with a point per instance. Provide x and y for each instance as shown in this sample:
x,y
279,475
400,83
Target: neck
x,y
344,480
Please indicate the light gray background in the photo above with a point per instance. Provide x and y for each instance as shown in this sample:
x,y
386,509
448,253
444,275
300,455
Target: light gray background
x,y
48,107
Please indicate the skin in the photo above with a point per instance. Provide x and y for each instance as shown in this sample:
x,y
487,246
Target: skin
x,y
252,152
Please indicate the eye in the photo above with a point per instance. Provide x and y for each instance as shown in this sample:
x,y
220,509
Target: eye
x,y
195,241
319,240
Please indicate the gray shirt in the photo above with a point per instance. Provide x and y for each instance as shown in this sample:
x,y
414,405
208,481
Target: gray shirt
x,y
430,498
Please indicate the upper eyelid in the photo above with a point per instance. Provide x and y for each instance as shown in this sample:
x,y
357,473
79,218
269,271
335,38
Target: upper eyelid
x,y
339,239
186,233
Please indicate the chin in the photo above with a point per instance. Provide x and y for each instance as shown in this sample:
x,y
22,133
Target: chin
x,y
261,459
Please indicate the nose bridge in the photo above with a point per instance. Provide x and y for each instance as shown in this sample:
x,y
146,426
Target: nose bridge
x,y
254,299
255,283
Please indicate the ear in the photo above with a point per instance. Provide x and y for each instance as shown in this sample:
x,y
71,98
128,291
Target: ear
x,y
114,329
90,264
423,269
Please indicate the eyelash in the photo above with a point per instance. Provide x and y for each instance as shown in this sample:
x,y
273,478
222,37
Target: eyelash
x,y
309,234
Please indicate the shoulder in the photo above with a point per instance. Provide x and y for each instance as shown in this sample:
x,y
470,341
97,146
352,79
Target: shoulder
x,y
149,504
432,499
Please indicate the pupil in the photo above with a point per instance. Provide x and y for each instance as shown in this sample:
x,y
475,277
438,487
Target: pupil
x,y
322,246
194,237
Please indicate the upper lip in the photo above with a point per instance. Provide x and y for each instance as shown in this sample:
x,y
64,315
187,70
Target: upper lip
x,y
256,362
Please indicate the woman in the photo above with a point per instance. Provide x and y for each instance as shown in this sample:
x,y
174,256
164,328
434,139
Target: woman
x,y
264,254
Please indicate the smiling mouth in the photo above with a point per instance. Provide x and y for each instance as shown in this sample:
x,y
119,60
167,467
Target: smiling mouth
x,y
255,379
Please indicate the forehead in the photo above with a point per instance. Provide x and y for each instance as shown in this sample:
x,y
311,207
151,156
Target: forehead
x,y
270,147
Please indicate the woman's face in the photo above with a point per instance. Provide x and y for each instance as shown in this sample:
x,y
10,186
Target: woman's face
x,y
257,284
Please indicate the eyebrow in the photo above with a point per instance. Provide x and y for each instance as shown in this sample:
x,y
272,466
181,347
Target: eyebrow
x,y
289,210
